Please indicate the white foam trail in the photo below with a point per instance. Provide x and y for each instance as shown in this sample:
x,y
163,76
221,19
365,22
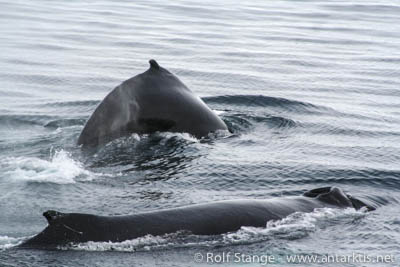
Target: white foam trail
x,y
294,226
8,242
125,141
190,138
139,244
60,169
184,136
218,112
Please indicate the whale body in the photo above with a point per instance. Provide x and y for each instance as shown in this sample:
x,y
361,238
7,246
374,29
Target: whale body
x,y
155,100
201,219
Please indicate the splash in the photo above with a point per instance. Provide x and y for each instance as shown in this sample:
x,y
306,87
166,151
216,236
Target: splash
x,y
9,242
218,112
167,136
60,169
292,227
139,244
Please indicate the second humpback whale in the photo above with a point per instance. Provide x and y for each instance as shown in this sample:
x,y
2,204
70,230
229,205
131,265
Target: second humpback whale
x,y
201,219
155,100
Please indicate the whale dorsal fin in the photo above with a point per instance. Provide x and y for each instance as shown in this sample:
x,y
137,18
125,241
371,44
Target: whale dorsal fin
x,y
154,64
52,215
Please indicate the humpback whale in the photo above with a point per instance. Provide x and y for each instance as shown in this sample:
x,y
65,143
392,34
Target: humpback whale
x,y
201,219
155,100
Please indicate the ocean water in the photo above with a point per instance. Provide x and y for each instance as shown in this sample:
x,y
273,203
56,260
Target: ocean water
x,y
310,90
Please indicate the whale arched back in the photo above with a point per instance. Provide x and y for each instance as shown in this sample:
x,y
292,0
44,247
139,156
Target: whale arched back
x,y
155,100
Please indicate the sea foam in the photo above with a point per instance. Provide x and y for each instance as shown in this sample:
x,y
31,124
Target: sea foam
x,y
61,168
9,242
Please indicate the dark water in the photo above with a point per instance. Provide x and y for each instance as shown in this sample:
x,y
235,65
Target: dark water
x,y
310,89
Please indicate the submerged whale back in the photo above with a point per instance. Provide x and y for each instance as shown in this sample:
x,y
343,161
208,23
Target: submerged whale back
x,y
201,219
155,100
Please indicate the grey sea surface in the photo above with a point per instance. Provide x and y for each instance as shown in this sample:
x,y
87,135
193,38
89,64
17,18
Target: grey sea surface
x,y
309,89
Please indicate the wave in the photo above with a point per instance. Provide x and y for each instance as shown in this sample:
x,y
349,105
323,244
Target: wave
x,y
72,103
329,129
263,101
61,168
64,123
23,119
20,120
360,176
296,226
240,122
